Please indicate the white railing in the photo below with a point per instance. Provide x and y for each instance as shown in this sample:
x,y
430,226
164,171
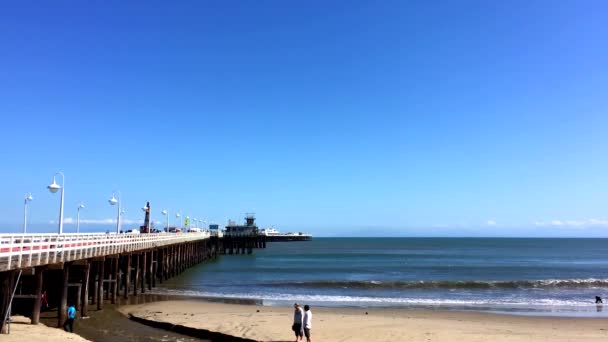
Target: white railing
x,y
28,250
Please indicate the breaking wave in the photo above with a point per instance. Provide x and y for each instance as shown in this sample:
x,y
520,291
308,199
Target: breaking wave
x,y
450,284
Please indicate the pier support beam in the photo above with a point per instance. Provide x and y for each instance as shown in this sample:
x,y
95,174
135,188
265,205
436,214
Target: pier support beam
x,y
127,275
6,286
84,300
38,295
100,275
95,267
63,301
144,271
150,270
136,266
160,265
114,285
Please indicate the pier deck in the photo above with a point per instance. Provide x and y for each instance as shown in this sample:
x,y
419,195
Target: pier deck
x,y
30,250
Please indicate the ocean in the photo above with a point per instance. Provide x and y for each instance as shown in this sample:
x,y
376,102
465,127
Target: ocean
x,y
507,275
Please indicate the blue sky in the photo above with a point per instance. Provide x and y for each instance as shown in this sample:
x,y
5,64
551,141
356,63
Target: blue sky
x,y
336,118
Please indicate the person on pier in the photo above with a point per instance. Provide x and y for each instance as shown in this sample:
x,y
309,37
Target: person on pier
x,y
298,318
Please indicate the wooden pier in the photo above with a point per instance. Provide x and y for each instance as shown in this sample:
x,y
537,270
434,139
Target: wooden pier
x,y
53,270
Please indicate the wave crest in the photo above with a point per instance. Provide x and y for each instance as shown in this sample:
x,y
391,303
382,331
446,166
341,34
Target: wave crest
x,y
449,284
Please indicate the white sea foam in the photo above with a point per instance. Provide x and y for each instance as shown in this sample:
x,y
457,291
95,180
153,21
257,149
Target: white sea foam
x,y
337,300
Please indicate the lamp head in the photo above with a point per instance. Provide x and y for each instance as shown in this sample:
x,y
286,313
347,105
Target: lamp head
x,y
29,197
178,215
54,187
113,200
164,212
80,206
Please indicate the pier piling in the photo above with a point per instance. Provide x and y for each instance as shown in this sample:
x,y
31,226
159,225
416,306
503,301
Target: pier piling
x,y
38,294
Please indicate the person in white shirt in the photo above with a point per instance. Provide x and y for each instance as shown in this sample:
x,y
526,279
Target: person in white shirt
x,y
307,322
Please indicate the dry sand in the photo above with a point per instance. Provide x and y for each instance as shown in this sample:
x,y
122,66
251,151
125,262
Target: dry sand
x,y
22,330
262,323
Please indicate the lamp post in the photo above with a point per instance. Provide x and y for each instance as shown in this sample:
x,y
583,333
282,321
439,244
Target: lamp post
x,y
114,201
80,206
166,213
28,198
54,187
178,215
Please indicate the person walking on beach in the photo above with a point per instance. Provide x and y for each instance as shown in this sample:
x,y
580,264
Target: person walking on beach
x,y
69,323
307,322
298,317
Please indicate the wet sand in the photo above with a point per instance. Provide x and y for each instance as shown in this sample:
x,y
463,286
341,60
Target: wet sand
x,y
109,325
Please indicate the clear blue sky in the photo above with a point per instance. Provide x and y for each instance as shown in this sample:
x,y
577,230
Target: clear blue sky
x,y
336,118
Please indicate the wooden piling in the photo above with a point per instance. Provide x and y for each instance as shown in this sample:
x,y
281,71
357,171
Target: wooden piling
x,y
6,286
143,272
63,300
160,263
127,276
114,285
136,266
151,264
84,301
95,282
38,295
100,278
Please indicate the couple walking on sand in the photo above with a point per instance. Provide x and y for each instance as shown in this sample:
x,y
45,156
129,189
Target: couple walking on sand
x,y
302,322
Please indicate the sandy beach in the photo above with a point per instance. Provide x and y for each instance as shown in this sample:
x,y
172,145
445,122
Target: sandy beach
x,y
22,330
262,323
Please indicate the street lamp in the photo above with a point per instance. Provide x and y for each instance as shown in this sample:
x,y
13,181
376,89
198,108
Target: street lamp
x,y
195,222
178,215
166,213
114,201
80,206
28,198
54,188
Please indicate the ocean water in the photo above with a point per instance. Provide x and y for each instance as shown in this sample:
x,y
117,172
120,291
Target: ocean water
x,y
518,276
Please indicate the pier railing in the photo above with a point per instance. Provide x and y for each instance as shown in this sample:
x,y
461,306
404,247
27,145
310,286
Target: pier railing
x,y
29,250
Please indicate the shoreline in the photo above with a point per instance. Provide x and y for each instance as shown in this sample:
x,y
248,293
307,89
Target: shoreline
x,y
586,310
270,323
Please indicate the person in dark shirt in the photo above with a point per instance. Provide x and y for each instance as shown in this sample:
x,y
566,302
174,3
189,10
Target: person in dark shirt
x,y
298,316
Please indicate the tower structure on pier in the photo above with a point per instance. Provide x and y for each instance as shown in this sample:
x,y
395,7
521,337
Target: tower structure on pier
x,y
248,228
